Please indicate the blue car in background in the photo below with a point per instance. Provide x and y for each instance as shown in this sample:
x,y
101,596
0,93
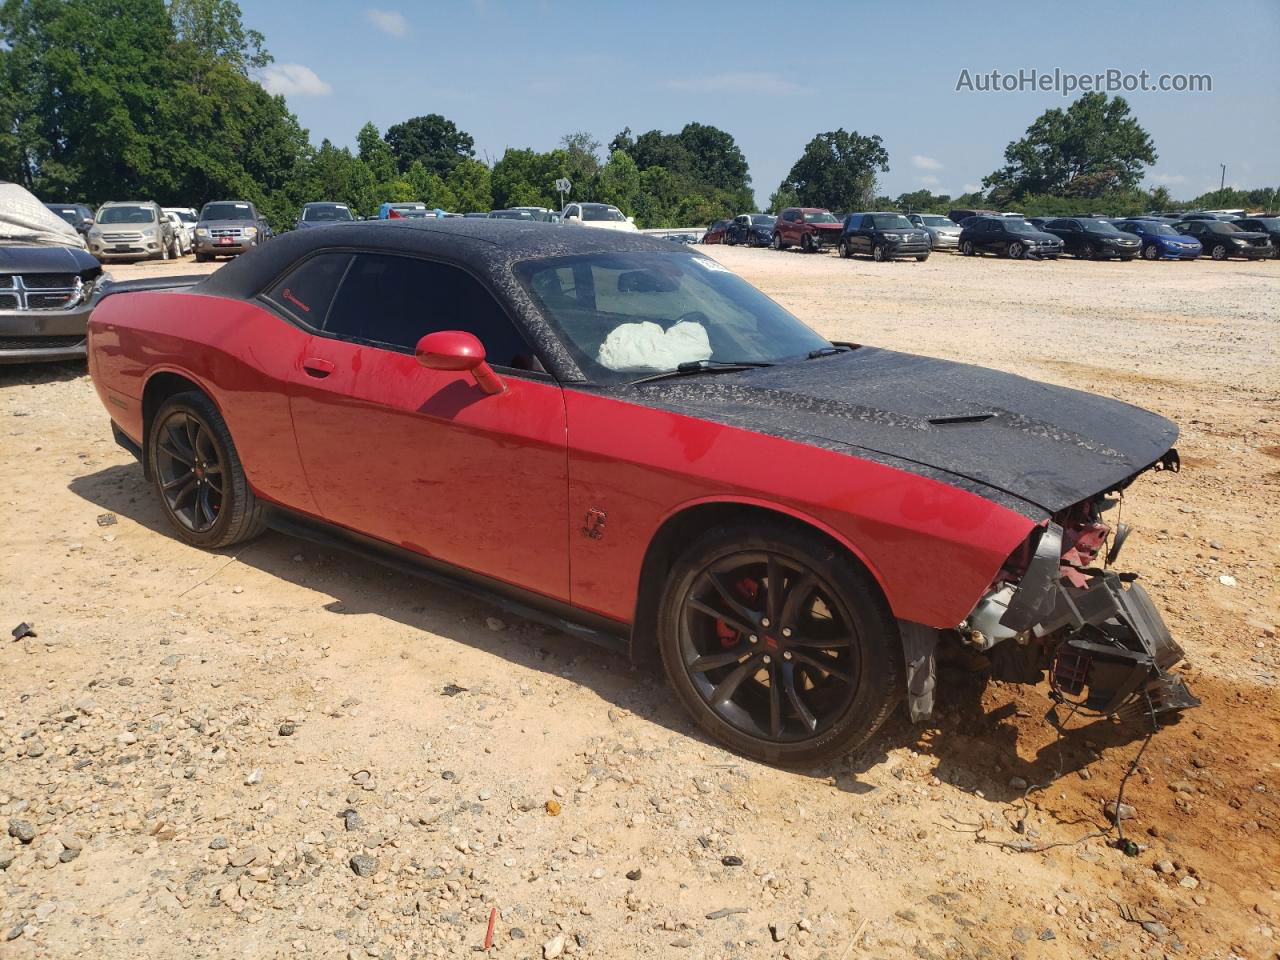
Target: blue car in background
x,y
407,211
1160,241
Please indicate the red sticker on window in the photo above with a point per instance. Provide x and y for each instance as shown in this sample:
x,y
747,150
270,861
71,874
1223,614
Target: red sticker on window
x,y
288,295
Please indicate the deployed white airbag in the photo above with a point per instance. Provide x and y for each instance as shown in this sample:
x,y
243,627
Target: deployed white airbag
x,y
646,346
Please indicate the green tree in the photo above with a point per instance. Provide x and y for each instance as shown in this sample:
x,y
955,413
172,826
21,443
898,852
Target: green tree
x,y
782,198
922,201
526,178
213,29
582,163
619,183
837,170
1092,148
334,173
376,154
434,140
428,187
470,182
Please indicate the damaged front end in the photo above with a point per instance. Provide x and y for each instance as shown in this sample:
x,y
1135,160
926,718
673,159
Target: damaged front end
x,y
1057,607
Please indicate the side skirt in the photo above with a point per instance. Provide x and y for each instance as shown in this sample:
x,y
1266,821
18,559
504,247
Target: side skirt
x,y
608,633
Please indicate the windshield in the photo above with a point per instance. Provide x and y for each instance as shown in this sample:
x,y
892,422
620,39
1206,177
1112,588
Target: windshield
x,y
1099,226
594,211
127,215
820,218
890,221
326,211
511,215
226,211
626,315
1020,226
68,214
762,220
1153,229
933,221
186,216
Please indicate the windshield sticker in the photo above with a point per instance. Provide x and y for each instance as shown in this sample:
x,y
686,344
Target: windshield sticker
x,y
288,295
708,264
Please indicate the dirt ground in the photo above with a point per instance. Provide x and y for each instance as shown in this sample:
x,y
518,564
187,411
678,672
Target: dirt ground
x,y
280,751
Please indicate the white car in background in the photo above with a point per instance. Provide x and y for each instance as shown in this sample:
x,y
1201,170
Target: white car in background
x,y
603,215
184,238
188,218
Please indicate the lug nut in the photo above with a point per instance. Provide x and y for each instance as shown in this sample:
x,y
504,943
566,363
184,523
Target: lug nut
x,y
786,631
753,638
786,654
764,621
768,660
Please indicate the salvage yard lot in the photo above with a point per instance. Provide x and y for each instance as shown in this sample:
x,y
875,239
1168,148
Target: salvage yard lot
x,y
186,730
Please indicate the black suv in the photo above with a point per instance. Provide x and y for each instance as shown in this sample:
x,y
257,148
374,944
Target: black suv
x,y
1094,239
1221,240
1268,225
883,236
1012,237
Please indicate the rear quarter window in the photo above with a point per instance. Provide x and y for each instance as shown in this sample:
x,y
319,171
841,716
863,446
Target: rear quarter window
x,y
306,291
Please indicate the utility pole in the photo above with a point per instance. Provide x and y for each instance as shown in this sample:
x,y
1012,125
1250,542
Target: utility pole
x,y
1223,184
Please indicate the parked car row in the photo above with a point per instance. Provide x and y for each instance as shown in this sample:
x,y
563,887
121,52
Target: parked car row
x,y
890,235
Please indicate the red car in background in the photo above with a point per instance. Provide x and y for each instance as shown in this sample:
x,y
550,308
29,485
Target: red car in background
x,y
809,228
716,232
627,440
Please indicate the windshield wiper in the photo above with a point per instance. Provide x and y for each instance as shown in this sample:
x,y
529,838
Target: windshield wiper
x,y
825,352
705,366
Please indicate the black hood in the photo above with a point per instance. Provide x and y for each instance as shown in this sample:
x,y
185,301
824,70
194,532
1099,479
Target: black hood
x,y
979,429
32,259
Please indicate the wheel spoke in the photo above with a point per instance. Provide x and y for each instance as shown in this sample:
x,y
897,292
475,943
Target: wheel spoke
x,y
727,687
821,643
789,686
711,661
730,619
172,445
828,668
204,444
179,498
177,481
192,429
204,509
775,584
736,607
798,592
775,702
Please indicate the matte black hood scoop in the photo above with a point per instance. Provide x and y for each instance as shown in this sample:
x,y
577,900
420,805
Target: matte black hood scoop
x,y
1049,446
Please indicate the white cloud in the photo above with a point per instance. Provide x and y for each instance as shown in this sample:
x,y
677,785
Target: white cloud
x,y
928,181
293,80
389,21
1168,178
745,82
921,162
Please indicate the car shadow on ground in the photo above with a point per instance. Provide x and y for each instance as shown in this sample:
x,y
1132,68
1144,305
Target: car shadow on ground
x,y
32,374
975,749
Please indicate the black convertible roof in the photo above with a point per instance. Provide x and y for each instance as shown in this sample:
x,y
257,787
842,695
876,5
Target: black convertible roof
x,y
487,247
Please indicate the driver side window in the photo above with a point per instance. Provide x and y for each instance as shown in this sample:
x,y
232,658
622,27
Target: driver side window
x,y
392,302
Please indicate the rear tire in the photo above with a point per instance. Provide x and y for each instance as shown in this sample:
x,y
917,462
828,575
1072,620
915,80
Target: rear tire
x,y
776,242
877,253
198,476
843,250
826,668
922,257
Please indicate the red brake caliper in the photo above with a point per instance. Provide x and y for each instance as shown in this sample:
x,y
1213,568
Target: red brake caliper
x,y
749,588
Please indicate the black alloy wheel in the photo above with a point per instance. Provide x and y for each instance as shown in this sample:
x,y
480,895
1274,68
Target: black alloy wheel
x,y
778,646
198,475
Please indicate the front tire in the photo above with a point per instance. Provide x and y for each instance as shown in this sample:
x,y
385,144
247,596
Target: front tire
x,y
1016,250
1149,252
1219,251
877,253
843,250
921,257
776,242
198,476
778,644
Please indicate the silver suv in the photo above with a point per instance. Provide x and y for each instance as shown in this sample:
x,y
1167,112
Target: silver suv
x,y
132,230
944,233
227,228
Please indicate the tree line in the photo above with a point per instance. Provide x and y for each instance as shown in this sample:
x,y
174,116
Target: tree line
x,y
136,99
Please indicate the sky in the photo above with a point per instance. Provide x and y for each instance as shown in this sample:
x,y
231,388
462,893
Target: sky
x,y
523,74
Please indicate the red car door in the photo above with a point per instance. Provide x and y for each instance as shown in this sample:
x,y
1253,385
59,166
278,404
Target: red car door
x,y
425,459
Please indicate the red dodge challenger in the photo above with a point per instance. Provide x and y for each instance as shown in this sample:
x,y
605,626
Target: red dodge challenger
x,y
632,443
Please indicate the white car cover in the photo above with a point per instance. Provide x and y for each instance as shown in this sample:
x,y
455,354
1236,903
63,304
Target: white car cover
x,y
646,346
25,219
